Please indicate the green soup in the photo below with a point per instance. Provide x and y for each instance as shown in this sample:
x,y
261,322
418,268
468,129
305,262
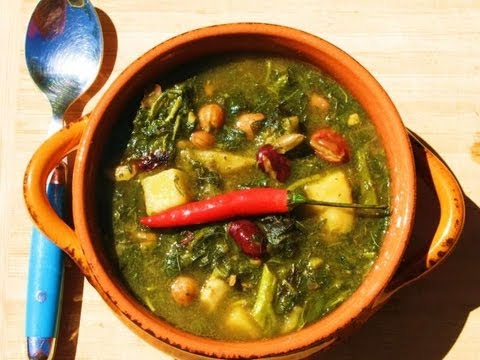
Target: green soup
x,y
200,136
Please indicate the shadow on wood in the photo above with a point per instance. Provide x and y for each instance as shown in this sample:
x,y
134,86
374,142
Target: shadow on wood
x,y
71,312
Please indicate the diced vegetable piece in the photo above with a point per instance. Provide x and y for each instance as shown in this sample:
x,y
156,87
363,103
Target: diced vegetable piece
x,y
301,182
164,190
336,188
213,292
353,119
263,311
125,172
240,322
232,279
220,161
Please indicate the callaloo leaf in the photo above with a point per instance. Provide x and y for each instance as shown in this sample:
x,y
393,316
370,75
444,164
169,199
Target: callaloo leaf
x,y
282,234
162,117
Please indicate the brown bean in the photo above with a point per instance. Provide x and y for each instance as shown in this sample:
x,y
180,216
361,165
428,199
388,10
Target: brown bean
x,y
150,98
184,290
211,117
273,163
246,123
249,238
287,142
319,102
202,140
330,146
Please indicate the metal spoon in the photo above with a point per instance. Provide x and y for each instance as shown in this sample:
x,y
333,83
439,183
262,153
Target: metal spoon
x,y
63,50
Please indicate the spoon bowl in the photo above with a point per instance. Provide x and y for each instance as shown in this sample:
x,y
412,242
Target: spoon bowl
x,y
63,50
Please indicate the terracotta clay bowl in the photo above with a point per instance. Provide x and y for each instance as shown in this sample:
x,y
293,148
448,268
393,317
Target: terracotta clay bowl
x,y
90,136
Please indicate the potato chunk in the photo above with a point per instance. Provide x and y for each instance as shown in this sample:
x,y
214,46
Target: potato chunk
x,y
213,291
164,190
220,161
240,322
336,188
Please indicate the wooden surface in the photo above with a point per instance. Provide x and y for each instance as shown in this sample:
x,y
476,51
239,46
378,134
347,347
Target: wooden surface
x,y
426,55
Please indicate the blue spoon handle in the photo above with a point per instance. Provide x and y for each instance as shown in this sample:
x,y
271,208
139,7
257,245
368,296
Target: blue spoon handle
x,y
45,277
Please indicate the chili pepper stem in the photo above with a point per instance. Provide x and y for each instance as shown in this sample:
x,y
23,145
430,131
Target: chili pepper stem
x,y
295,199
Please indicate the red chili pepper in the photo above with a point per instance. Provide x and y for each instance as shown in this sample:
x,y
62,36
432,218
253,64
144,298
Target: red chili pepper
x,y
247,202
241,203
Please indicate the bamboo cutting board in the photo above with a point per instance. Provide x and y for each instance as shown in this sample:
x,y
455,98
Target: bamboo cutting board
x,y
426,55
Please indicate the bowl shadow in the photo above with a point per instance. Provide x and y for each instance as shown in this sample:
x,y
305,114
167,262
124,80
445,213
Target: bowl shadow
x,y
424,320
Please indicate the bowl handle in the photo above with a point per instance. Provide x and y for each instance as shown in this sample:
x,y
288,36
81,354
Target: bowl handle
x,y
44,160
452,217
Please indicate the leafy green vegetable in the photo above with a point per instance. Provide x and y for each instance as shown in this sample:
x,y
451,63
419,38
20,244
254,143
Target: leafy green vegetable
x,y
158,123
209,248
287,297
367,190
263,311
231,138
282,234
205,247
207,182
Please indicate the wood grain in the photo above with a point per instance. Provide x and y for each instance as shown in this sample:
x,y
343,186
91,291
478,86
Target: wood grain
x,y
425,54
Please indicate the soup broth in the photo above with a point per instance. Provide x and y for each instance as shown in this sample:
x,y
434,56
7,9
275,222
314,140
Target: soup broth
x,y
237,123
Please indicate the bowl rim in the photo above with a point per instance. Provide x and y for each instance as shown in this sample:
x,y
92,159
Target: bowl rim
x,y
351,310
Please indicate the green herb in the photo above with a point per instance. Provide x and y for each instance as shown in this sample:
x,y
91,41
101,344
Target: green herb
x,y
282,234
159,122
